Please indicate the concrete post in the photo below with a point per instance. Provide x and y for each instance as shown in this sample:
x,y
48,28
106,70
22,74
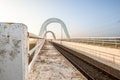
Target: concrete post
x,y
13,51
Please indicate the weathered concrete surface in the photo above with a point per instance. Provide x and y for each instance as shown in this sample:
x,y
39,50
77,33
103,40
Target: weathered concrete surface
x,y
98,53
51,65
13,51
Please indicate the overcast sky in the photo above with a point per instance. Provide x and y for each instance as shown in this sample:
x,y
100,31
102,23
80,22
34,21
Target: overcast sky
x,y
82,17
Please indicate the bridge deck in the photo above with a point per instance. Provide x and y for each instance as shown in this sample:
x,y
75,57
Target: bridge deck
x,y
51,65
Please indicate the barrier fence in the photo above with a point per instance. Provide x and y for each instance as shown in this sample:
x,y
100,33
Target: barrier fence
x,y
105,42
101,41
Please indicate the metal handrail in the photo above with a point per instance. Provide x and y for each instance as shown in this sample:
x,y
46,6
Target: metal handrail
x,y
97,40
31,35
101,53
38,48
35,50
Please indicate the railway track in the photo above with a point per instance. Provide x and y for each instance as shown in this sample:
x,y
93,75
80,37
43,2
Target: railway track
x,y
90,71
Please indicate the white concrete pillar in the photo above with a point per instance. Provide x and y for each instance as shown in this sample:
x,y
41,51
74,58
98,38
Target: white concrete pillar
x,y
13,51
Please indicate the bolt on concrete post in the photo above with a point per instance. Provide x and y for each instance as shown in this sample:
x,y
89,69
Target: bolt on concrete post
x,y
13,51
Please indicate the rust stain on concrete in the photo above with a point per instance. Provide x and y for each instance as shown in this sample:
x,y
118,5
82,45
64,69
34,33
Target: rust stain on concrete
x,y
2,53
16,43
15,51
12,55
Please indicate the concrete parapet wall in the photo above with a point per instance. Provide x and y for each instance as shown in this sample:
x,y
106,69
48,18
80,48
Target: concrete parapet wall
x,y
13,51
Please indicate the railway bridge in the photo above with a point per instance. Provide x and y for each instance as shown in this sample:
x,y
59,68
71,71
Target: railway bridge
x,y
85,58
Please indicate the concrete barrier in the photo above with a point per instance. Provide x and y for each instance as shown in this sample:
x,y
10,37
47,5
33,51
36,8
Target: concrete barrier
x,y
13,51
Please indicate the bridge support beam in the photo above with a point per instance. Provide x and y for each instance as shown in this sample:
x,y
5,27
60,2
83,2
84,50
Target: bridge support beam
x,y
13,51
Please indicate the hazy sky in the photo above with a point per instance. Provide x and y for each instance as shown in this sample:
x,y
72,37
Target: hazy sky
x,y
82,17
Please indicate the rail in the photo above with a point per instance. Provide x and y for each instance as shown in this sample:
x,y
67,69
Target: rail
x,y
31,35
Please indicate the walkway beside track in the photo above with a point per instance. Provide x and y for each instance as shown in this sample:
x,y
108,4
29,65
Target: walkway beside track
x,y
51,65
